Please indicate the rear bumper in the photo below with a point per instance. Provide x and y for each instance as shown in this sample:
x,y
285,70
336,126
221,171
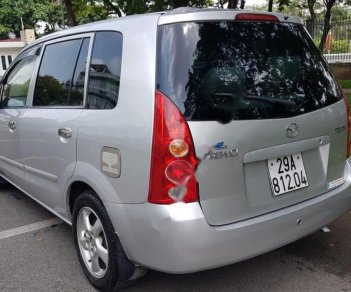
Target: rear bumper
x,y
177,239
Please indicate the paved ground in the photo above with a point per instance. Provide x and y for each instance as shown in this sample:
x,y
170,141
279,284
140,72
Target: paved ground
x,y
45,260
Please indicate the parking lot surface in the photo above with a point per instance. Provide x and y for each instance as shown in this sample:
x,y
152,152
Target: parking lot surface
x,y
37,254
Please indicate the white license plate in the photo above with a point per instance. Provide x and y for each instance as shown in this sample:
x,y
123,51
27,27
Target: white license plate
x,y
287,174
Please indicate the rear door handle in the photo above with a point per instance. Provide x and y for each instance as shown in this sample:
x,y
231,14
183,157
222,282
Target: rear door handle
x,y
12,125
65,133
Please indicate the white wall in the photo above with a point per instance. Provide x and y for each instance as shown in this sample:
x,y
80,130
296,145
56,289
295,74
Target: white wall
x,y
6,56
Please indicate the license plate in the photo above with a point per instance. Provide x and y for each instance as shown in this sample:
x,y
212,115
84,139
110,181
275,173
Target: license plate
x,y
287,174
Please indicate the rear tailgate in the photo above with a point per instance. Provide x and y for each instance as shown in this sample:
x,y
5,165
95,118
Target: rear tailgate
x,y
266,115
239,187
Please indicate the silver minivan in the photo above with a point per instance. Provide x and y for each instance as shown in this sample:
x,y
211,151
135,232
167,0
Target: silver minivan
x,y
177,141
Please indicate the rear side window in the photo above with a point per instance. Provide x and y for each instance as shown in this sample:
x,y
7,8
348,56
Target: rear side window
x,y
242,70
60,80
105,71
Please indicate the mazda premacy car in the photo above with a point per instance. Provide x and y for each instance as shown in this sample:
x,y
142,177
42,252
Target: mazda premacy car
x,y
177,141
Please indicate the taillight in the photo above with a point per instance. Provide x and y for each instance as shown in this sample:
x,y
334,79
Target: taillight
x,y
348,147
173,161
256,17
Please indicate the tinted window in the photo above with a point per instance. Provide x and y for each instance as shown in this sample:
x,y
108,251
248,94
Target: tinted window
x,y
17,82
3,61
76,95
105,71
57,83
242,70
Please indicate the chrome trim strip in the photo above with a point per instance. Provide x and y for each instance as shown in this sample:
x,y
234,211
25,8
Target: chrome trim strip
x,y
42,174
285,149
12,162
87,69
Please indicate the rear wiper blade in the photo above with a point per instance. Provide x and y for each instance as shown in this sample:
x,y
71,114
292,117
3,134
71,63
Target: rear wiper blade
x,y
225,96
288,103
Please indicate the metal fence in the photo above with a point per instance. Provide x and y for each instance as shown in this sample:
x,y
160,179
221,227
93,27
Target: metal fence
x,y
337,47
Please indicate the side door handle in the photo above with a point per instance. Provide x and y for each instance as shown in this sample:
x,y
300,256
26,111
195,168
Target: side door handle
x,y
12,125
65,133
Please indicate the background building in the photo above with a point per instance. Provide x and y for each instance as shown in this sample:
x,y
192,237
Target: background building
x,y
10,48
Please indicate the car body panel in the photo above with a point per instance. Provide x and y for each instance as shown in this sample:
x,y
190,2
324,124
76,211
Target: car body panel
x,y
177,239
11,164
115,128
49,159
236,188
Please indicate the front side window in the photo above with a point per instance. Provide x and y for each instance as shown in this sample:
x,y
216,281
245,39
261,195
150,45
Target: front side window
x,y
17,82
60,80
105,71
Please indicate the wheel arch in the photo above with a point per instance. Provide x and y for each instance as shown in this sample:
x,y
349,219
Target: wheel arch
x,y
87,177
75,189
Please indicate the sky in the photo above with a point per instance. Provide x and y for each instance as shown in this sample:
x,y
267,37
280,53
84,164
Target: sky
x,y
255,2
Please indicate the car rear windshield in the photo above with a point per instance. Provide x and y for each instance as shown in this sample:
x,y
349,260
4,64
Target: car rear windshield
x,y
231,70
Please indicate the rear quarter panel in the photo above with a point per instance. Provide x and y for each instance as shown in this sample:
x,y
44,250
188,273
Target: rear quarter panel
x,y
127,127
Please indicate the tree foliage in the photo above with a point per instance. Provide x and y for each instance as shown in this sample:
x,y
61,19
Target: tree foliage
x,y
31,11
89,11
324,8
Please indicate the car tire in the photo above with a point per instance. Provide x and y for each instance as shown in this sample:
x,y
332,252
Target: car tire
x,y
98,247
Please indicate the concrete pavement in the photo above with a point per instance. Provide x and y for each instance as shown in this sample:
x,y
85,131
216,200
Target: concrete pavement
x,y
44,259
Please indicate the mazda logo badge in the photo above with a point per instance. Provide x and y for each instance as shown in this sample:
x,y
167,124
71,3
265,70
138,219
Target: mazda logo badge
x,y
292,130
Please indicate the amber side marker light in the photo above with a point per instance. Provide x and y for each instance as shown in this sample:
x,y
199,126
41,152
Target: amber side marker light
x,y
256,17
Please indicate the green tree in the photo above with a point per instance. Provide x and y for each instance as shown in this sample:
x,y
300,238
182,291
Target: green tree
x,y
302,8
89,11
341,11
70,14
31,11
74,12
101,9
329,5
311,8
327,8
54,17
130,7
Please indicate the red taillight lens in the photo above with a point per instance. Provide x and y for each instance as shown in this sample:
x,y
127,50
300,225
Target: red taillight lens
x,y
179,172
348,147
168,172
256,17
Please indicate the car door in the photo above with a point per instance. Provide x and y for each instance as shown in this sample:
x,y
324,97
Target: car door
x,y
49,132
15,91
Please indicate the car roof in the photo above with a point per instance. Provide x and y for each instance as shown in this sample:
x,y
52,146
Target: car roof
x,y
196,14
172,16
